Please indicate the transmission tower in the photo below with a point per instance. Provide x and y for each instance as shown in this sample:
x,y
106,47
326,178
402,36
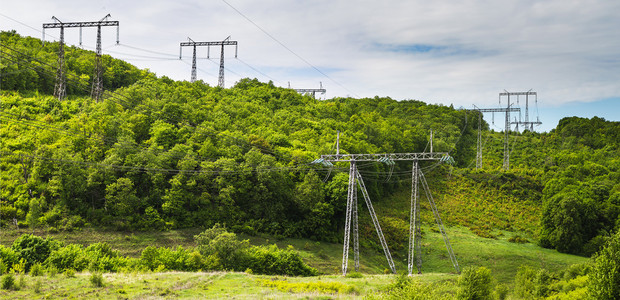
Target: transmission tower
x,y
191,43
310,91
97,87
356,182
527,124
506,110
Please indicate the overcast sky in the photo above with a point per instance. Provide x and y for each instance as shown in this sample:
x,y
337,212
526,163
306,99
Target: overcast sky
x,y
449,52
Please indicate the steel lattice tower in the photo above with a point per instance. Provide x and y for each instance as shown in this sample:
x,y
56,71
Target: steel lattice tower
x,y
191,43
97,87
356,182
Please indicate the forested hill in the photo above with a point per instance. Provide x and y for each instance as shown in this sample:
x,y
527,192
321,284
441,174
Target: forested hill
x,y
157,153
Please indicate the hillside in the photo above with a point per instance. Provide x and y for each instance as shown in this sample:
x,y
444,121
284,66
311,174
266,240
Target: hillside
x,y
162,155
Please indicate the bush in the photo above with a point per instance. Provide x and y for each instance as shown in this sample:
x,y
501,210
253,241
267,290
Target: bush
x,y
52,271
33,249
70,273
224,245
518,239
36,270
71,256
96,279
8,257
271,260
8,281
475,283
605,274
168,259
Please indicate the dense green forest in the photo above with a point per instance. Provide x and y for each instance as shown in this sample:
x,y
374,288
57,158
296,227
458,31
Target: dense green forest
x,y
163,154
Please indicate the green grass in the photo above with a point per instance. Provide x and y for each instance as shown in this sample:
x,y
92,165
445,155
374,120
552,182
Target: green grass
x,y
499,255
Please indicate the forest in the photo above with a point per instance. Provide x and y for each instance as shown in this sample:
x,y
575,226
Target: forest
x,y
159,154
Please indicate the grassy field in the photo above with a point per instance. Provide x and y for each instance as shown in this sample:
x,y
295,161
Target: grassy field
x,y
500,256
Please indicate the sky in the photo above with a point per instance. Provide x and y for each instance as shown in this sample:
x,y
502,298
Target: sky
x,y
460,53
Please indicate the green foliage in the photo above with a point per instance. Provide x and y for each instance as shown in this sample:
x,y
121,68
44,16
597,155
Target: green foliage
x,y
404,287
271,260
531,283
605,274
170,259
8,257
224,245
518,239
36,270
96,257
8,282
475,283
96,280
33,249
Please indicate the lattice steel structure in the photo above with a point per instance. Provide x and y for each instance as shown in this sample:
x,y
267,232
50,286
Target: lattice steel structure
x,y
225,42
528,125
311,91
97,86
507,111
351,220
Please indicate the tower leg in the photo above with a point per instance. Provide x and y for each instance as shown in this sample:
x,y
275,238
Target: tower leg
x,y
373,216
414,225
429,196
220,82
97,80
347,222
60,88
193,78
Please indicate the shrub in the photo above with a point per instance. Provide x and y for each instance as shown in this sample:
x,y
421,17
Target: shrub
x,y
524,282
52,271
8,257
70,273
475,283
224,245
518,239
37,286
96,279
36,270
169,259
271,260
605,274
71,256
33,249
8,281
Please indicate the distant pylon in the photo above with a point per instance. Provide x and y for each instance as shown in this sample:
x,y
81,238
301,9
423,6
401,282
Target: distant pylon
x,y
193,44
97,88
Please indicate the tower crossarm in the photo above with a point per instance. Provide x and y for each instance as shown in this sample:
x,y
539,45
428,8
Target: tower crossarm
x,y
512,109
528,93
80,24
390,156
225,43
311,90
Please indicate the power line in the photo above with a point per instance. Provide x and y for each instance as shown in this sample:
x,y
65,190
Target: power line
x,y
287,48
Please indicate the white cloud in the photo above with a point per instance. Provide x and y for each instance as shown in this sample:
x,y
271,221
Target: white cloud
x,y
461,52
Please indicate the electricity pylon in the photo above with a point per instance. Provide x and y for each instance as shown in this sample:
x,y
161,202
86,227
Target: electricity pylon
x,y
191,43
356,181
97,87
507,111
310,91
527,124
